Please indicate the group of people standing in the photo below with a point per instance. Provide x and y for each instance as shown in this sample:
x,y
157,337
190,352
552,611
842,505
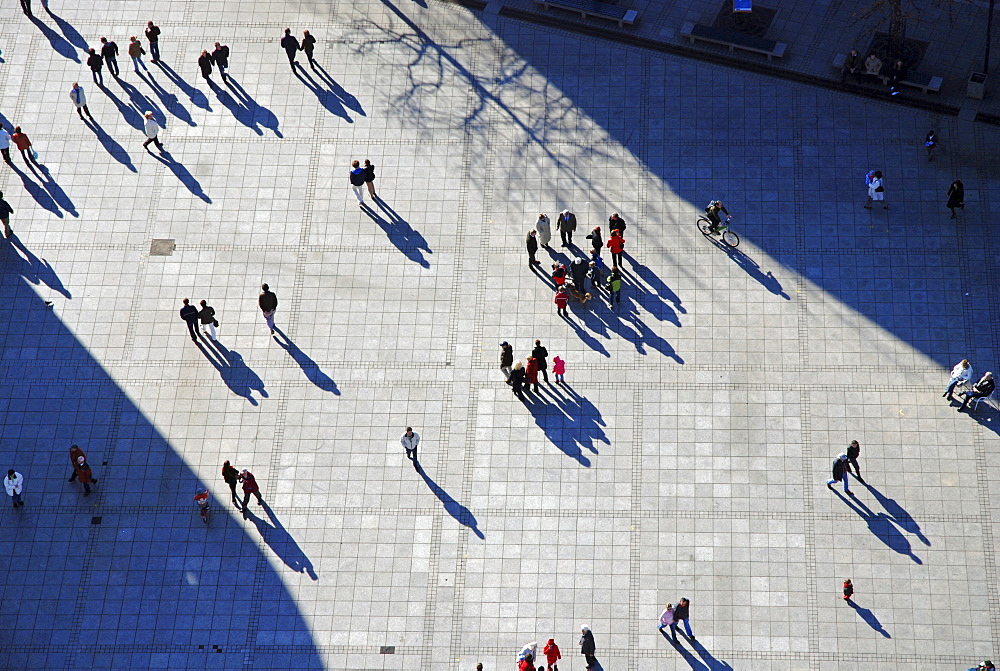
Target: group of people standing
x,y
528,655
522,377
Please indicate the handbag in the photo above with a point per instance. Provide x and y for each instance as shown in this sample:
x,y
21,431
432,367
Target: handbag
x,y
34,154
215,323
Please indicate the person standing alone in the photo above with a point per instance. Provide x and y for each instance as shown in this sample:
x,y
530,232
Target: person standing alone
x,y
410,440
956,197
79,98
153,35
268,303
13,484
876,191
566,223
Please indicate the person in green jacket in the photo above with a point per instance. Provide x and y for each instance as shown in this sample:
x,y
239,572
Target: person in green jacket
x,y
615,286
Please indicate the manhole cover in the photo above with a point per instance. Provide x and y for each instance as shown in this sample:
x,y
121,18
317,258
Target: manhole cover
x,y
162,247
387,650
753,23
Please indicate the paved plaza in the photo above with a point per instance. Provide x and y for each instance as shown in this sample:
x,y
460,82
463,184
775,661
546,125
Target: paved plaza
x,y
688,452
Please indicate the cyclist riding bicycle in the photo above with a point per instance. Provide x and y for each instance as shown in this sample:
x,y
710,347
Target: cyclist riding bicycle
x,y
713,214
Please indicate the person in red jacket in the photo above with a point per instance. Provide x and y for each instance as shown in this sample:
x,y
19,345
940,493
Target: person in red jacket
x,y
559,274
616,244
531,374
23,144
552,655
250,486
81,469
561,300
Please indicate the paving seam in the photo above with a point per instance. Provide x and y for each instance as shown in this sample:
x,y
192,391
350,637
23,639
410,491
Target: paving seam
x,y
635,529
153,205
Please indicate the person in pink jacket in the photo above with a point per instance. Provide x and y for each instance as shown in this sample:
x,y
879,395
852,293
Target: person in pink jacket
x,y
559,369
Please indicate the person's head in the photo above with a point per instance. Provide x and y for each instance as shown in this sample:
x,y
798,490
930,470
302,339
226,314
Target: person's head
x,y
964,363
355,164
409,431
899,63
614,215
288,31
11,473
537,343
104,40
76,85
518,365
669,606
529,658
854,443
842,457
217,45
80,459
584,628
306,33
479,666
597,228
17,129
186,301
204,303
557,359
847,581
264,287
504,345
149,115
367,163
540,216
878,174
150,24
854,52
532,232
684,601
615,233
225,463
593,264
1,194
988,375
133,39
93,51
204,52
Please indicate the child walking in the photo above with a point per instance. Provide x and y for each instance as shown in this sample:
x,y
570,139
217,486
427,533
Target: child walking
x,y
848,589
559,369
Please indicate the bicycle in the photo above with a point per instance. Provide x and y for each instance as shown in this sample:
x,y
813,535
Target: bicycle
x,y
201,498
729,238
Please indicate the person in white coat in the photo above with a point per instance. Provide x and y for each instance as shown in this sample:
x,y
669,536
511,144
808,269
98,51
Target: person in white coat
x,y
544,230
152,131
13,483
410,439
79,98
5,145
960,374
876,191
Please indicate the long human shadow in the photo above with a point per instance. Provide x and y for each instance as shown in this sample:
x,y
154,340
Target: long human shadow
x,y
240,378
46,191
182,173
623,319
403,237
59,43
133,111
652,292
308,366
197,97
281,542
898,514
327,98
149,533
171,103
38,192
461,514
245,109
707,661
571,422
111,145
882,526
870,618
71,34
345,97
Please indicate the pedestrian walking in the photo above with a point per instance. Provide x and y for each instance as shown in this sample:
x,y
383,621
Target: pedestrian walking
x,y
5,211
531,374
614,287
544,230
135,52
205,63
666,617
559,369
876,191
357,181
552,655
931,143
960,374
410,440
852,64
588,648
566,223
82,471
14,483
517,378
153,35
853,452
506,359
5,146
526,663
189,314
109,52
682,613
616,223
23,145
840,474
232,478
848,589
596,241
531,243
616,245
309,46
152,129
268,303
79,98
220,56
981,389
208,320
369,171
541,354
95,62
956,197
250,487
291,47
561,300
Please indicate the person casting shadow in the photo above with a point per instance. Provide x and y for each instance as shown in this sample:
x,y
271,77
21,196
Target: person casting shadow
x,y
308,366
239,377
870,618
281,542
461,514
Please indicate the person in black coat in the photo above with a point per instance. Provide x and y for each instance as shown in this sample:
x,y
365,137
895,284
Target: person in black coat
x,y
578,268
309,46
506,359
109,52
531,244
956,196
897,73
369,172
853,452
981,389
566,224
517,378
205,63
220,56
587,646
95,62
291,47
839,474
189,313
541,354
596,241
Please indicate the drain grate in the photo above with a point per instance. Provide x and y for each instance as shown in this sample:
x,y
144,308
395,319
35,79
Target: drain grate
x,y
162,247
387,650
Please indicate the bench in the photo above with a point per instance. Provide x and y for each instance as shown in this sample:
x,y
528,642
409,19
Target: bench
x,y
733,40
917,80
587,8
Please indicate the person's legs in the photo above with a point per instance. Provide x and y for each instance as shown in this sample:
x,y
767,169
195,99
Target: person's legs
x,y
87,110
291,57
673,631
193,328
358,193
952,384
6,154
113,67
232,488
687,627
246,500
545,375
269,318
154,51
371,188
211,332
222,71
73,476
6,227
86,489
79,110
847,488
260,500
857,469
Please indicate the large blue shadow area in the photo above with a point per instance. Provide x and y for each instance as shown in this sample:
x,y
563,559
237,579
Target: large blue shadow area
x,y
128,577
